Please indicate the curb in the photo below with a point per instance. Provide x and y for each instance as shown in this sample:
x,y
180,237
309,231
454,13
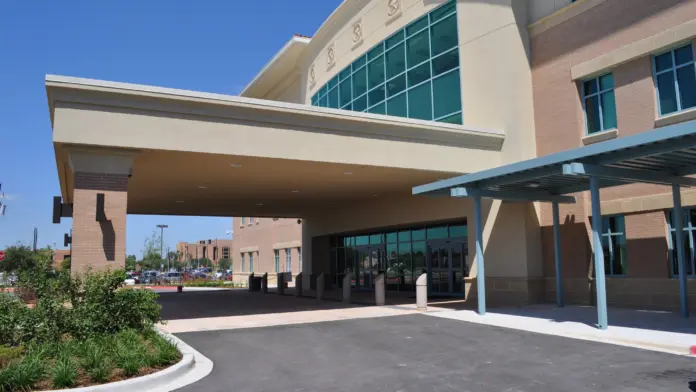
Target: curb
x,y
192,367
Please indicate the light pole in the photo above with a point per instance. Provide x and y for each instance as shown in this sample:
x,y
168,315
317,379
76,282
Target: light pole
x,y
162,227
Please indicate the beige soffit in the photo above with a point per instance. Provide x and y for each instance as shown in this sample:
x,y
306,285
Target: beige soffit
x,y
249,249
655,43
114,94
286,245
562,15
275,71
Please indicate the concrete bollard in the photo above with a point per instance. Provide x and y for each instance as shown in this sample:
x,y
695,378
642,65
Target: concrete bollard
x,y
422,292
251,281
346,288
280,279
320,286
379,290
298,285
264,283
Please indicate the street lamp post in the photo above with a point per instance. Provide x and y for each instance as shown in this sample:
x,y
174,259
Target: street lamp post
x,y
162,227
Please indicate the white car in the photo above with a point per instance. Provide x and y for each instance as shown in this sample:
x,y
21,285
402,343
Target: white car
x,y
130,280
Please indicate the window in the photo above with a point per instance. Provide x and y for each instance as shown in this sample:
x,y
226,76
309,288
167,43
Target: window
x,y
299,258
243,264
288,260
243,221
251,261
614,244
675,80
689,223
215,253
599,103
250,222
414,73
225,252
276,256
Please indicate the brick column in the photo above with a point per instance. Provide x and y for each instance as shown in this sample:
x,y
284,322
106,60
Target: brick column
x,y
99,245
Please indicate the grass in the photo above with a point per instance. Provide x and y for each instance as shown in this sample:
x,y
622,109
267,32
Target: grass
x,y
72,363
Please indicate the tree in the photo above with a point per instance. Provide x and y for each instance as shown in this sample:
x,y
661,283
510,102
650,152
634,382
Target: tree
x,y
130,263
152,259
65,264
17,257
225,264
205,262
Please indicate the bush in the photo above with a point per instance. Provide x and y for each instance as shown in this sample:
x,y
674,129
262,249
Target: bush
x,y
64,372
95,359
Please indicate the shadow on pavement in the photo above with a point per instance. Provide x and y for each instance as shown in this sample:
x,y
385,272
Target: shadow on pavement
x,y
237,302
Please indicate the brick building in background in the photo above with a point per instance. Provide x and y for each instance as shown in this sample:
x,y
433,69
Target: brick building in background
x,y
213,250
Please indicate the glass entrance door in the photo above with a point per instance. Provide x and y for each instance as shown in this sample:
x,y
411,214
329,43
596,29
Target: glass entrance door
x,y
370,261
446,267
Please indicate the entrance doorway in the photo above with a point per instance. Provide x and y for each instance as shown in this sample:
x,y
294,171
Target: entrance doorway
x,y
446,266
370,261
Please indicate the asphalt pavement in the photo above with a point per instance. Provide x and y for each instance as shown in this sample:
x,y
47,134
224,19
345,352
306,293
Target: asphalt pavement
x,y
421,353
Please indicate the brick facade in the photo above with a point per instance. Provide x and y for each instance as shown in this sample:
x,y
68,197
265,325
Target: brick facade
x,y
99,245
560,126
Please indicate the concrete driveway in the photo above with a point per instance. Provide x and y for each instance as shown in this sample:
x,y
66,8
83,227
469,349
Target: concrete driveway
x,y
421,353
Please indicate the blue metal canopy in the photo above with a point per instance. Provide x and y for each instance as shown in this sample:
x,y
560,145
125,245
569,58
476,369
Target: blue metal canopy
x,y
661,156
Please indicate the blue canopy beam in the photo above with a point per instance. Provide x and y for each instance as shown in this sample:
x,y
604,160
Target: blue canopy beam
x,y
627,175
511,196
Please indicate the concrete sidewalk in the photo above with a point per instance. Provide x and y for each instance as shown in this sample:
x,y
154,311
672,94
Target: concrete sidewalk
x,y
651,330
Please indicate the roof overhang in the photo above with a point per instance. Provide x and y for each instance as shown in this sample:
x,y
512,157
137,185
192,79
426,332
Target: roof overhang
x,y
184,139
278,69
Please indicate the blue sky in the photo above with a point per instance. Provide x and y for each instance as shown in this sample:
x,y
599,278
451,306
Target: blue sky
x,y
213,46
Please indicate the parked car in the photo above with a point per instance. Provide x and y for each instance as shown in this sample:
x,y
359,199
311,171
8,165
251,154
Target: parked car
x,y
149,277
171,277
130,280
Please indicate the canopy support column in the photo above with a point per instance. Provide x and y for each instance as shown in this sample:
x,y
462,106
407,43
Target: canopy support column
x,y
678,216
557,254
480,274
600,281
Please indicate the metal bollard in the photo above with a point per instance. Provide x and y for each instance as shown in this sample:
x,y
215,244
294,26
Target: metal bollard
x,y
251,281
280,282
422,292
346,288
320,286
379,290
264,283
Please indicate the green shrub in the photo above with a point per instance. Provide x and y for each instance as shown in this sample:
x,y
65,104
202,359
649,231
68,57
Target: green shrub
x,y
8,354
30,370
64,372
165,351
8,375
13,319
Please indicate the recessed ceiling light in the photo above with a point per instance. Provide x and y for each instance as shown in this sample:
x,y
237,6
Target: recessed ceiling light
x,y
375,195
179,201
202,187
295,191
259,204
235,165
348,173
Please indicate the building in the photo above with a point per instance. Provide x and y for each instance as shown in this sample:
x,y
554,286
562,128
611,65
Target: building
x,y
388,95
59,256
213,250
266,245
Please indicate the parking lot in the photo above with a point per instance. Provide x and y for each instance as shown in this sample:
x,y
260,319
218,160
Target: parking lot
x,y
412,353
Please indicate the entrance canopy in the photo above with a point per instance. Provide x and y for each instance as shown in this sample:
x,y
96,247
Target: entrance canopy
x,y
661,156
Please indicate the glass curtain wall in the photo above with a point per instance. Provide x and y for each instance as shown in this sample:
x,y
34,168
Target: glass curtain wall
x,y
406,252
414,73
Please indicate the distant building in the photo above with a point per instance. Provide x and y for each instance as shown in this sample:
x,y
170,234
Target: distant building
x,y
59,256
214,250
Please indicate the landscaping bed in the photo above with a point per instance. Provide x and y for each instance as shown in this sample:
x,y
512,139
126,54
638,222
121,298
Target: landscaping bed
x,y
60,331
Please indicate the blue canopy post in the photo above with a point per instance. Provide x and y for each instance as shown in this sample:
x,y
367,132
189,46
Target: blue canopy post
x,y
557,254
480,274
679,230
600,281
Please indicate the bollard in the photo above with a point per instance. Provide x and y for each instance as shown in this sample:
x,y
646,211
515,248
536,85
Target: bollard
x,y
422,292
179,289
280,279
298,285
264,283
346,288
379,290
251,280
320,286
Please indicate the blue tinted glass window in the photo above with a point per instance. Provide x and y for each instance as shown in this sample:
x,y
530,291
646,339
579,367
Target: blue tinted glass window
x,y
599,104
675,79
406,75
